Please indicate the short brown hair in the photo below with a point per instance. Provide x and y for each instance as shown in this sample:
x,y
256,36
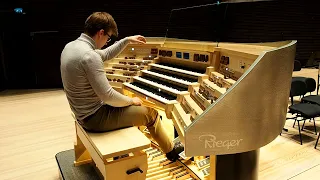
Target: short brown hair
x,y
100,20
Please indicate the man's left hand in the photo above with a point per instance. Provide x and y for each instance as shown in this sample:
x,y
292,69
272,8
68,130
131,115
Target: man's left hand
x,y
138,39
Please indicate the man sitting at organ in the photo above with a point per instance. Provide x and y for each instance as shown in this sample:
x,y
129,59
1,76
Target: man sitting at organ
x,y
96,105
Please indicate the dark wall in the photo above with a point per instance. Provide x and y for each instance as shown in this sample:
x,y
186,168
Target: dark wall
x,y
32,42
2,69
275,21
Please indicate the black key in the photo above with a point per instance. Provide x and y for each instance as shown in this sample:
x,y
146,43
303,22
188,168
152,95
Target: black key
x,y
155,91
201,71
184,78
165,83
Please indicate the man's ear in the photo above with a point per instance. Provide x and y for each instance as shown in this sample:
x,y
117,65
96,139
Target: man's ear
x,y
101,32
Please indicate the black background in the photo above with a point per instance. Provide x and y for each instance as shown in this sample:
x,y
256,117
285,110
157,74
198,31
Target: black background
x,y
31,43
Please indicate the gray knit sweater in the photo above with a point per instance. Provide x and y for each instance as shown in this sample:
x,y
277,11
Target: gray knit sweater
x,y
84,80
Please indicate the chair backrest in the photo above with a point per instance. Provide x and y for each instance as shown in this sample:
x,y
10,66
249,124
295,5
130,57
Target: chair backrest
x,y
298,88
311,84
297,65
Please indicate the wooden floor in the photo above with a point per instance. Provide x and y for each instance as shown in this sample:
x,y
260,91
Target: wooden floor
x,y
37,124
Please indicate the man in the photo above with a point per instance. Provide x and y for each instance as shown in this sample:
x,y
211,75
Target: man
x,y
96,105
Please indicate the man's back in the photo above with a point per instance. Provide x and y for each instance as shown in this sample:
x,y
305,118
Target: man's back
x,y
84,80
81,96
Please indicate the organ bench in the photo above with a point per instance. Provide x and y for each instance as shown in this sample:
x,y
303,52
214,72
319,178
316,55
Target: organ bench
x,y
102,148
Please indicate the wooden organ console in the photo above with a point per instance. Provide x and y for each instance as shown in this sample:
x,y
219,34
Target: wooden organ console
x,y
225,100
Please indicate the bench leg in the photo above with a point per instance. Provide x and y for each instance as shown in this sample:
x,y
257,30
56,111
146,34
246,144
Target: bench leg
x,y
82,156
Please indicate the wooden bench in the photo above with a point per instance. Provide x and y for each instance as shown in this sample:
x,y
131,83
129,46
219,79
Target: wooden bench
x,y
103,147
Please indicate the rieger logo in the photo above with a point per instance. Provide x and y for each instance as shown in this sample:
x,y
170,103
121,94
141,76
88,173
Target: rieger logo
x,y
210,141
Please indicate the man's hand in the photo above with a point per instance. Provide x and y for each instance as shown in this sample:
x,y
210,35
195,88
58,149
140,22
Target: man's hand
x,y
137,39
136,101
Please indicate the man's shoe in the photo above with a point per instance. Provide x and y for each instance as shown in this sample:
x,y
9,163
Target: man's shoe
x,y
174,154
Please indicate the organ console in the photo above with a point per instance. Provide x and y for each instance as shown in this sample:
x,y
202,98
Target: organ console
x,y
225,101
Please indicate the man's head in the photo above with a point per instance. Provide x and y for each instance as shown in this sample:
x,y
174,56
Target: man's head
x,y
100,26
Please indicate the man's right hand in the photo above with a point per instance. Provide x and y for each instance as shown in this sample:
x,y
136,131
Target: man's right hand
x,y
136,101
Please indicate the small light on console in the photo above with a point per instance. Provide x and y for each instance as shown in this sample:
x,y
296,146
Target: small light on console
x,y
154,51
185,55
178,55
202,58
227,60
196,57
162,53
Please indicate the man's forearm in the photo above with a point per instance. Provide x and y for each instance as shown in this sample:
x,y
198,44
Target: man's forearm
x,y
114,50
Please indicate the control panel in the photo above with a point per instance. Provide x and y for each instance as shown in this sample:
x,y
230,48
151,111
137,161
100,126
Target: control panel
x,y
233,66
187,55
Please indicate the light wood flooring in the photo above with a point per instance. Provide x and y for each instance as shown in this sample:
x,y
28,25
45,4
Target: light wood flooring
x,y
37,124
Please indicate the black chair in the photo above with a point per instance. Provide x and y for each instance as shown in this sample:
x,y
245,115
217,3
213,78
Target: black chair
x,y
303,111
296,65
310,82
314,99
298,88
310,87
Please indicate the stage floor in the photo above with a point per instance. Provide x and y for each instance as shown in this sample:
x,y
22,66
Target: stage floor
x,y
37,124
68,171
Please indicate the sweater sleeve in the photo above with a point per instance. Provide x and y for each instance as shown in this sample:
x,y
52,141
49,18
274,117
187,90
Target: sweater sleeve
x,y
114,50
93,67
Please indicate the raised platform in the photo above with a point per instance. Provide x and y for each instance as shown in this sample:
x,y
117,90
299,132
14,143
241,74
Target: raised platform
x,y
68,171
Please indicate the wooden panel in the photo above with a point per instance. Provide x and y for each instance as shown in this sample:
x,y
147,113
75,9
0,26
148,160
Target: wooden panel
x,y
190,102
231,123
116,143
95,155
117,169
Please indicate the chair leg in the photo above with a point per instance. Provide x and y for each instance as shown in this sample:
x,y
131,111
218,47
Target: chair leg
x,y
314,124
303,125
317,142
299,133
318,85
294,123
